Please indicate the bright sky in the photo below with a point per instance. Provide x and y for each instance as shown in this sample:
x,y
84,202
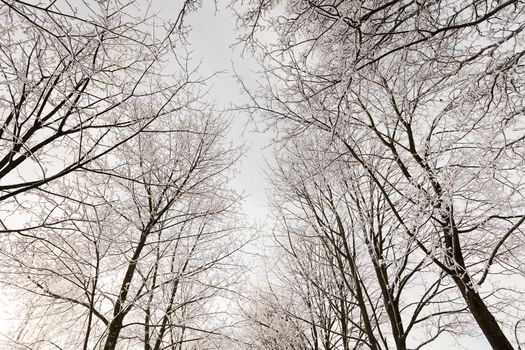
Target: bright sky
x,y
212,36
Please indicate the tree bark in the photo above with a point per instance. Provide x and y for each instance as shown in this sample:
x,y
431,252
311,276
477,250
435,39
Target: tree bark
x,y
479,310
484,318
113,333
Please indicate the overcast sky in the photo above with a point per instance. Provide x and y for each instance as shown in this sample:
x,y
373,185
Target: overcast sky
x,y
212,38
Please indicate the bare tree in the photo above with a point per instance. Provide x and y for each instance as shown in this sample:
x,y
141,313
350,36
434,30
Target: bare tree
x,y
118,226
72,74
147,246
381,289
434,89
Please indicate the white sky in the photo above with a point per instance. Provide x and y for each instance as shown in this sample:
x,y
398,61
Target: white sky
x,y
212,36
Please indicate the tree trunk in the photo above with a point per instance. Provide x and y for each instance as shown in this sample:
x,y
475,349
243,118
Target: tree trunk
x,y
484,318
113,333
392,307
479,310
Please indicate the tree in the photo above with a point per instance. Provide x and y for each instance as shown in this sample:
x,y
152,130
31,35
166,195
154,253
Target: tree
x,y
348,249
118,226
434,90
72,75
147,246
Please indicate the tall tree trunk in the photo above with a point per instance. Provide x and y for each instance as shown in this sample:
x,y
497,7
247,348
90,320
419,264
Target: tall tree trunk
x,y
484,318
479,310
113,332
392,307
